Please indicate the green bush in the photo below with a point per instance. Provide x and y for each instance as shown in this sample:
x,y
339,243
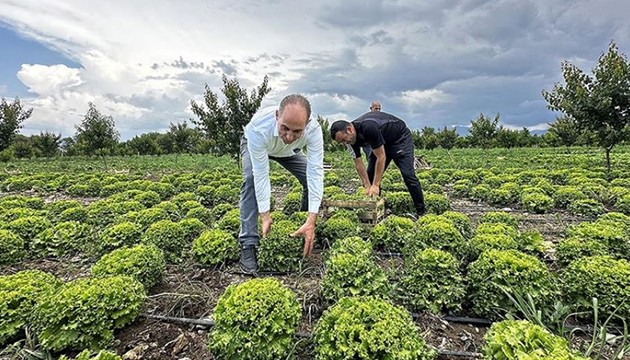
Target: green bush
x,y
488,241
84,313
399,203
57,207
602,277
219,210
279,251
144,263
352,275
168,236
12,214
12,248
461,188
148,198
145,218
566,195
586,207
520,339
436,203
393,233
185,206
441,235
67,237
79,214
192,228
15,201
183,197
354,245
461,222
119,235
255,320
292,203
500,217
171,208
573,248
87,355
162,189
536,201
338,227
230,222
368,328
431,282
623,204
613,235
18,295
515,272
480,192
201,213
28,227
215,247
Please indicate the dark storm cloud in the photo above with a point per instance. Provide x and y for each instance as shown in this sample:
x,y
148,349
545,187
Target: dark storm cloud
x,y
490,57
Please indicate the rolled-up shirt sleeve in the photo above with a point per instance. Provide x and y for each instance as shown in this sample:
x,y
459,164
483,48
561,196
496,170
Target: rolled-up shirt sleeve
x,y
260,169
315,168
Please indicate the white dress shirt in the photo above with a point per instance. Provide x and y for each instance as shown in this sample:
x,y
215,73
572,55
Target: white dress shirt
x,y
263,140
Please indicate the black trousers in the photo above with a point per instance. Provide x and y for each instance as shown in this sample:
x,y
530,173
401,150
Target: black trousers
x,y
402,155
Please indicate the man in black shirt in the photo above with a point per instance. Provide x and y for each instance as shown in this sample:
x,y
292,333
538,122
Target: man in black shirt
x,y
390,139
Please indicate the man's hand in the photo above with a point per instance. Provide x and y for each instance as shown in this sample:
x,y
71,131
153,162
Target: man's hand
x,y
373,190
308,231
266,223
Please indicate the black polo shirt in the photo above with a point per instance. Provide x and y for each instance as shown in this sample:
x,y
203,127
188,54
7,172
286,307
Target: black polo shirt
x,y
376,129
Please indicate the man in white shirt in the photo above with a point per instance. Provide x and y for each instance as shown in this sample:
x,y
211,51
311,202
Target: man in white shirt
x,y
279,134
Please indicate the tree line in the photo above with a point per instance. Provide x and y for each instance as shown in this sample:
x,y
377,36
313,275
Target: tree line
x,y
596,111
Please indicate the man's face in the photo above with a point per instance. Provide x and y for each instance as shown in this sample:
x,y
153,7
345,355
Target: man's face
x,y
376,106
291,123
349,137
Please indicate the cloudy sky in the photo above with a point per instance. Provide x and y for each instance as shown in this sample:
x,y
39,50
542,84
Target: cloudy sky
x,y
432,62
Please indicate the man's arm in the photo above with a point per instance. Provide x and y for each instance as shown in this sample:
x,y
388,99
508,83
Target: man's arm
x,y
379,168
260,169
315,183
358,164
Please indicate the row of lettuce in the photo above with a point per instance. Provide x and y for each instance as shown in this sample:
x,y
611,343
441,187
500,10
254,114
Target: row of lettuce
x,y
446,264
581,191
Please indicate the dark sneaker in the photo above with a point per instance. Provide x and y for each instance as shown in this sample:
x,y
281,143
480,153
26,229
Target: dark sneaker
x,y
248,263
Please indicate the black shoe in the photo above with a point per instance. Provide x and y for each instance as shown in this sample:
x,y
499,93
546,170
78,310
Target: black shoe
x,y
248,263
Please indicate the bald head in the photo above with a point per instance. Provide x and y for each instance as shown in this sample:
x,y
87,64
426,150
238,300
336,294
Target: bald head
x,y
376,106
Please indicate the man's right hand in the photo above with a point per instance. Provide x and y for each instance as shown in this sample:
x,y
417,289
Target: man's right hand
x,y
266,223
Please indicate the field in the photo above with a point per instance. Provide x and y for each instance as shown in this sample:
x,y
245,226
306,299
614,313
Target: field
x,y
545,222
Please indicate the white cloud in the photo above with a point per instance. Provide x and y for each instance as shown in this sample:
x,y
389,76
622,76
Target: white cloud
x,y
424,98
142,61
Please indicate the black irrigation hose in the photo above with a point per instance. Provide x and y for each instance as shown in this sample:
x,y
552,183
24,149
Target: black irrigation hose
x,y
302,335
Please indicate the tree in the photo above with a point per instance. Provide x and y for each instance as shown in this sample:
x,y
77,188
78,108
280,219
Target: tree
x,y
599,103
428,138
329,143
184,139
483,131
447,139
46,144
506,138
11,118
145,144
223,123
564,131
97,133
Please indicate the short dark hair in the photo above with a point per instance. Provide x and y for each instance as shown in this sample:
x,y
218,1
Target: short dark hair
x,y
296,99
337,126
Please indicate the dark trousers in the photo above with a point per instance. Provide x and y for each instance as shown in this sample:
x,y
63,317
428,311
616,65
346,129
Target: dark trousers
x,y
402,155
